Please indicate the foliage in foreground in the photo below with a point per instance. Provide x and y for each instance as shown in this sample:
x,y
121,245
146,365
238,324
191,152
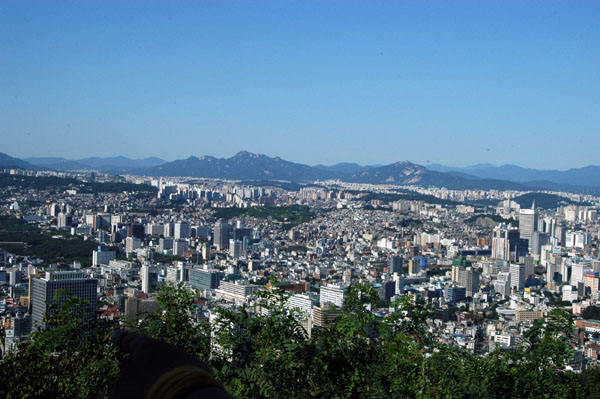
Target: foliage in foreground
x,y
263,352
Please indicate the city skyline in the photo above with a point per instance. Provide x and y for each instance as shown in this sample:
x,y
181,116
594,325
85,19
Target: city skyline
x,y
315,83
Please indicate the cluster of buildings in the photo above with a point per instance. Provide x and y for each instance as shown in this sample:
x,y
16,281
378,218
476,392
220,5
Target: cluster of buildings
x,y
487,281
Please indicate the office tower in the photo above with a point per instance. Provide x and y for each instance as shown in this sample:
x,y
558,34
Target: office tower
x,y
387,290
332,294
529,266
180,247
14,276
138,308
136,230
131,244
517,276
165,244
399,284
153,229
235,248
577,273
528,223
505,242
325,314
182,230
149,277
300,302
74,284
503,283
469,278
205,279
63,220
413,266
205,252
102,257
454,294
591,282
168,230
221,235
395,265
241,233
537,241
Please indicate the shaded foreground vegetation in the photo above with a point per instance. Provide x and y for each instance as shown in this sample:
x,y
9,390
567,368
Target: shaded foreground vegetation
x,y
270,356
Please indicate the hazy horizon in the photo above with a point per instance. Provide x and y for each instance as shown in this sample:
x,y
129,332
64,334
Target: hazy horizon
x,y
295,161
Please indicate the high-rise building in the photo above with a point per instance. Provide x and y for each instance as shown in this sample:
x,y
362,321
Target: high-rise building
x,y
168,230
221,235
454,294
528,223
505,243
332,294
325,314
235,248
182,230
413,266
469,278
517,276
137,308
205,279
502,283
399,284
136,230
301,302
165,244
131,244
529,266
180,247
538,239
395,265
102,257
74,284
577,273
149,277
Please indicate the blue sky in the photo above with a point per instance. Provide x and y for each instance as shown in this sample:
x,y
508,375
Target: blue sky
x,y
452,82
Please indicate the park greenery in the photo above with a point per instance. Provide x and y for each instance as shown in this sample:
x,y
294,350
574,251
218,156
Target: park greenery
x,y
67,183
262,351
51,246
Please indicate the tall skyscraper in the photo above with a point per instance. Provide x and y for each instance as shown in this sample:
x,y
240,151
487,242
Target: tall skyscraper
x,y
74,284
469,278
528,223
505,243
149,277
502,283
395,265
221,235
517,276
182,230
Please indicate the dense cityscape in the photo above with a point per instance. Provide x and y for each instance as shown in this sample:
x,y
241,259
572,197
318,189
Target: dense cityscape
x,y
299,199
487,264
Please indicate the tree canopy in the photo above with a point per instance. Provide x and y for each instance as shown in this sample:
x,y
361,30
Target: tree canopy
x,y
263,351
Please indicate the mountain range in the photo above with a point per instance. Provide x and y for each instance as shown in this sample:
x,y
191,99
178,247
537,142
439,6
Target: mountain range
x,y
586,176
108,164
248,166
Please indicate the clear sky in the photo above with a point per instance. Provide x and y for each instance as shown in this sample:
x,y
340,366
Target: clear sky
x,y
451,82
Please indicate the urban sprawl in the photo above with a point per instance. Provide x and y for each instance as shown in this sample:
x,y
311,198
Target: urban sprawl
x,y
487,264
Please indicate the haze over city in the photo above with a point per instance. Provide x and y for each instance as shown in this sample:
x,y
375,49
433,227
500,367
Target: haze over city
x,y
454,83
